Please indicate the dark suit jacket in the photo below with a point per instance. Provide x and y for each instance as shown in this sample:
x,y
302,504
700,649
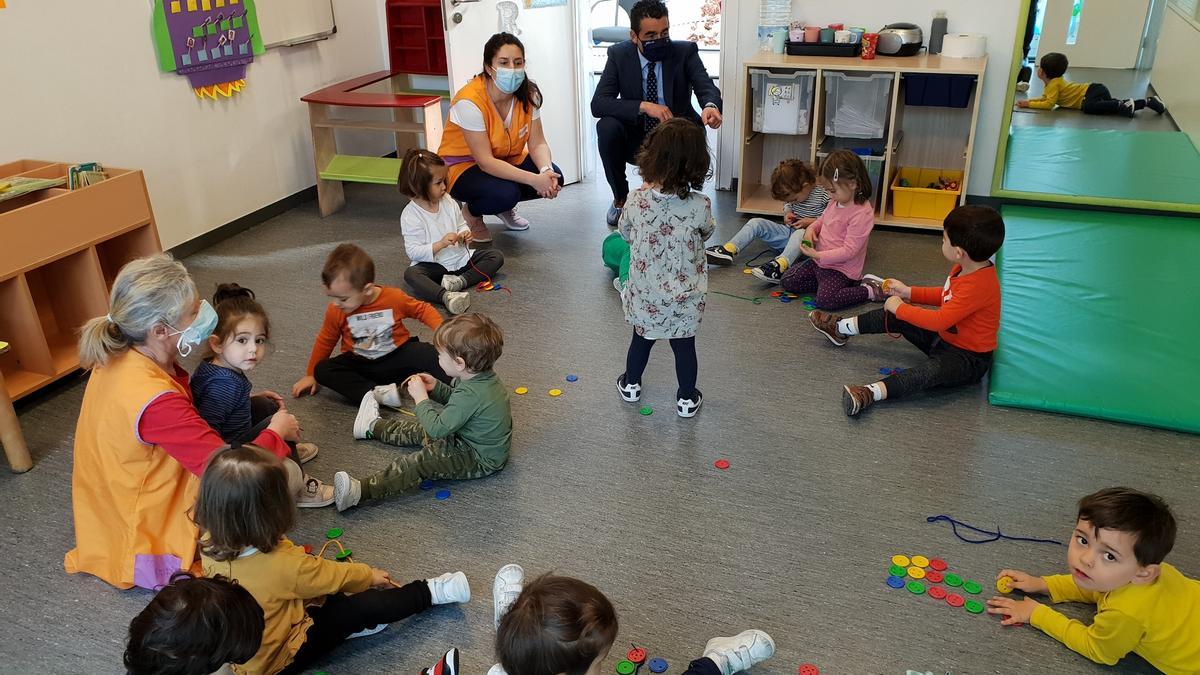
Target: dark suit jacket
x,y
621,89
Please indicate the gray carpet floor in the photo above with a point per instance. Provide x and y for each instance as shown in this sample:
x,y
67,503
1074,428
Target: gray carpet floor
x,y
794,538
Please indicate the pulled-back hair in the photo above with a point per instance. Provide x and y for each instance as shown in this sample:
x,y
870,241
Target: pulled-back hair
x,y
844,164
244,501
675,155
147,291
232,304
528,93
416,172
557,625
1147,517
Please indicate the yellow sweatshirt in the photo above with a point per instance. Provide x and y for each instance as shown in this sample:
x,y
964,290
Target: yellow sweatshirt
x,y
1160,621
282,581
1062,93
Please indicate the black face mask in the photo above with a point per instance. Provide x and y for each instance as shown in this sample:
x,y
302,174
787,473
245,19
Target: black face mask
x,y
656,50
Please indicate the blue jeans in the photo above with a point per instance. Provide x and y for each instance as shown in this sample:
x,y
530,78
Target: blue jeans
x,y
775,235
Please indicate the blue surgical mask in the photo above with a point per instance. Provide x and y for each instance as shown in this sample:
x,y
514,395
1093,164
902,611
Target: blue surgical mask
x,y
508,80
656,50
198,332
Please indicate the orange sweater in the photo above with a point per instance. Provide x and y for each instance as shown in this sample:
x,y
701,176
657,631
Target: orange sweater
x,y
969,313
373,330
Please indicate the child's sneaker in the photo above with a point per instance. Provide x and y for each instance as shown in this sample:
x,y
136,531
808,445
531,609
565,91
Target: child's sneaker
x,y
740,652
447,665
1022,87
453,282
457,303
1156,104
306,451
347,490
770,272
632,393
496,670
513,221
688,407
1128,107
718,255
314,495
874,286
855,399
505,589
368,413
449,588
827,324
389,395
367,631
617,284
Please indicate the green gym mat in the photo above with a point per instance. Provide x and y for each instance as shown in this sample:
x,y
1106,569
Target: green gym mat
x,y
1100,316
1160,166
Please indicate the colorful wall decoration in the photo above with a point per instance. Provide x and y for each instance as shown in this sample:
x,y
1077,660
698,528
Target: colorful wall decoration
x,y
209,41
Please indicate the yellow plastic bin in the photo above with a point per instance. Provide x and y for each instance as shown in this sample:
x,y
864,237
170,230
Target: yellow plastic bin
x,y
920,201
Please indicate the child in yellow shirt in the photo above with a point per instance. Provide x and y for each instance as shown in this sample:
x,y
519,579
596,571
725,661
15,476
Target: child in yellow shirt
x,y
1092,98
1143,605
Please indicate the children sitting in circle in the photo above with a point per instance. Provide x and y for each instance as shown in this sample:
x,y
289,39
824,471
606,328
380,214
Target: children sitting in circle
x,y
437,238
795,184
666,222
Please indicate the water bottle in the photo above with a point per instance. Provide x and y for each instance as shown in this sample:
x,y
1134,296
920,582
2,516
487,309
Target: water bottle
x,y
937,32
773,15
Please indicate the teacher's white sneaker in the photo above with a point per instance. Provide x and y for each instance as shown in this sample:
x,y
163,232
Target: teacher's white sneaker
x,y
513,221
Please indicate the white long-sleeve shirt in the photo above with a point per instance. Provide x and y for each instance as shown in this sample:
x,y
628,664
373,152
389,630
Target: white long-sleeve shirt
x,y
422,228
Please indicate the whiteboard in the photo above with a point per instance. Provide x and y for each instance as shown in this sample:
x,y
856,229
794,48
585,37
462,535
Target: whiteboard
x,y
288,22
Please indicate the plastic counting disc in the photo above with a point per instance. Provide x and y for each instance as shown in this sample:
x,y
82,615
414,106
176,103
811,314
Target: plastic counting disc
x,y
972,587
776,294
974,606
933,576
809,669
938,564
916,572
937,592
784,298
308,549
343,554
747,271
953,580
901,560
895,582
646,410
1004,585
915,587
333,533
556,392
954,600
426,484
897,571
658,665
572,378
522,390
637,655
920,561
625,667
442,495
721,464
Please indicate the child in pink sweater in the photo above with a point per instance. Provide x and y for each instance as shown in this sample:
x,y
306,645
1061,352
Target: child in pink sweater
x,y
837,246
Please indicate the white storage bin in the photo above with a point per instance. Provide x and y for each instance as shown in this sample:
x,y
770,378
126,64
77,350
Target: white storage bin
x,y
857,104
782,101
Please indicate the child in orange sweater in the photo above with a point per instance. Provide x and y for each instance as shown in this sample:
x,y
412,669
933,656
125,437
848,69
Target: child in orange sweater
x,y
958,336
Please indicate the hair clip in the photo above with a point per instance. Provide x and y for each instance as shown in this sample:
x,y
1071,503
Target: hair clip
x,y
835,176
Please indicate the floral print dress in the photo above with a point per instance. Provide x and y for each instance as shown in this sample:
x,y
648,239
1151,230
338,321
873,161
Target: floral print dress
x,y
668,274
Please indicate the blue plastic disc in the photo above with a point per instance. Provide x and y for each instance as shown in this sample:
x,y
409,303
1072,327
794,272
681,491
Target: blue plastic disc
x,y
784,298
426,485
658,665
885,371
442,495
895,582
572,378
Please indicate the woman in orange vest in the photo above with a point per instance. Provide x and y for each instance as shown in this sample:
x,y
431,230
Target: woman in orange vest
x,y
494,144
139,442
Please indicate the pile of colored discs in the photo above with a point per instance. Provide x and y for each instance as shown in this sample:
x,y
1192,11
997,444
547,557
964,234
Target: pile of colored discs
x,y
924,576
635,659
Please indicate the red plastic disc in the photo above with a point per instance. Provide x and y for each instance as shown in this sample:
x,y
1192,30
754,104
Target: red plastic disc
x,y
809,669
776,294
954,600
721,464
937,592
308,549
637,655
933,576
938,564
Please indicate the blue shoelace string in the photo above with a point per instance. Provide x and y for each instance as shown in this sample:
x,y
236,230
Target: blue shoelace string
x,y
991,536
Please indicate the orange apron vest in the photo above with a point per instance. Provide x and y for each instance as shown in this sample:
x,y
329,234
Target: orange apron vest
x,y
507,144
130,499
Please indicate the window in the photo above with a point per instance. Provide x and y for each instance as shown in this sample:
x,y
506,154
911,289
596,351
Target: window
x,y
1073,25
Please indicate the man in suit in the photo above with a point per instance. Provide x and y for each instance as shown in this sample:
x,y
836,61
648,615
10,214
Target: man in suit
x,y
648,79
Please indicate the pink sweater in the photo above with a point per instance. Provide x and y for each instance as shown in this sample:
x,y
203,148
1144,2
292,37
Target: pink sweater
x,y
841,236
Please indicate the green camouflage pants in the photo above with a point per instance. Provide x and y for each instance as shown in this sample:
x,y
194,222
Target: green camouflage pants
x,y
438,458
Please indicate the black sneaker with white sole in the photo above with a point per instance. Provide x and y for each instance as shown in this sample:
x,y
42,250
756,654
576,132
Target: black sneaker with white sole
x,y
631,393
718,255
770,272
688,407
1156,104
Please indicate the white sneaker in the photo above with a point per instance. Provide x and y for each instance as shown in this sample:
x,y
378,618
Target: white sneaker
x,y
740,652
347,490
513,221
314,495
453,282
449,588
505,589
496,670
1022,87
368,413
389,395
688,407
618,285
631,393
367,631
457,303
306,451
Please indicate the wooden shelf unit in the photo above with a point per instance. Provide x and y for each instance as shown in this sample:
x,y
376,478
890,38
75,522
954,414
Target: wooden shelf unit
x,y
921,136
416,36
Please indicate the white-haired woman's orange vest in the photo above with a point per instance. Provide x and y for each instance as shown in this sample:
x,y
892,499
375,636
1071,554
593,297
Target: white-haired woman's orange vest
x,y
131,500
508,144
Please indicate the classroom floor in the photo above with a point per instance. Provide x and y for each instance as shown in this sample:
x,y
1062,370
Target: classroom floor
x,y
794,538
1121,83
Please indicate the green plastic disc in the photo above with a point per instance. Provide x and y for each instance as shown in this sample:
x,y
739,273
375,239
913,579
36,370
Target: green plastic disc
x,y
342,555
972,587
625,667
953,580
897,571
974,606
333,533
647,410
915,587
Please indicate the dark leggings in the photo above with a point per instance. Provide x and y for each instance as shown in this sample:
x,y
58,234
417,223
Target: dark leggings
x,y
703,666
947,365
343,615
1097,101
261,410
834,289
486,195
425,278
685,363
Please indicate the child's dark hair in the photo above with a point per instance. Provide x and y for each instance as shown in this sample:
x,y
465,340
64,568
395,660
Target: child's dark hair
x,y
472,337
844,164
528,93
978,230
675,155
244,501
646,9
232,304
416,172
1143,515
790,177
557,625
352,261
1054,65
193,626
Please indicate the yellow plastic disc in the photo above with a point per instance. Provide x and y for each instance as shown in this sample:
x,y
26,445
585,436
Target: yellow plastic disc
x,y
916,572
920,561
901,560
1004,585
556,392
521,390
747,271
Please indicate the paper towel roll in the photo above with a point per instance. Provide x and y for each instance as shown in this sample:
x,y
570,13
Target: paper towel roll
x,y
964,46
